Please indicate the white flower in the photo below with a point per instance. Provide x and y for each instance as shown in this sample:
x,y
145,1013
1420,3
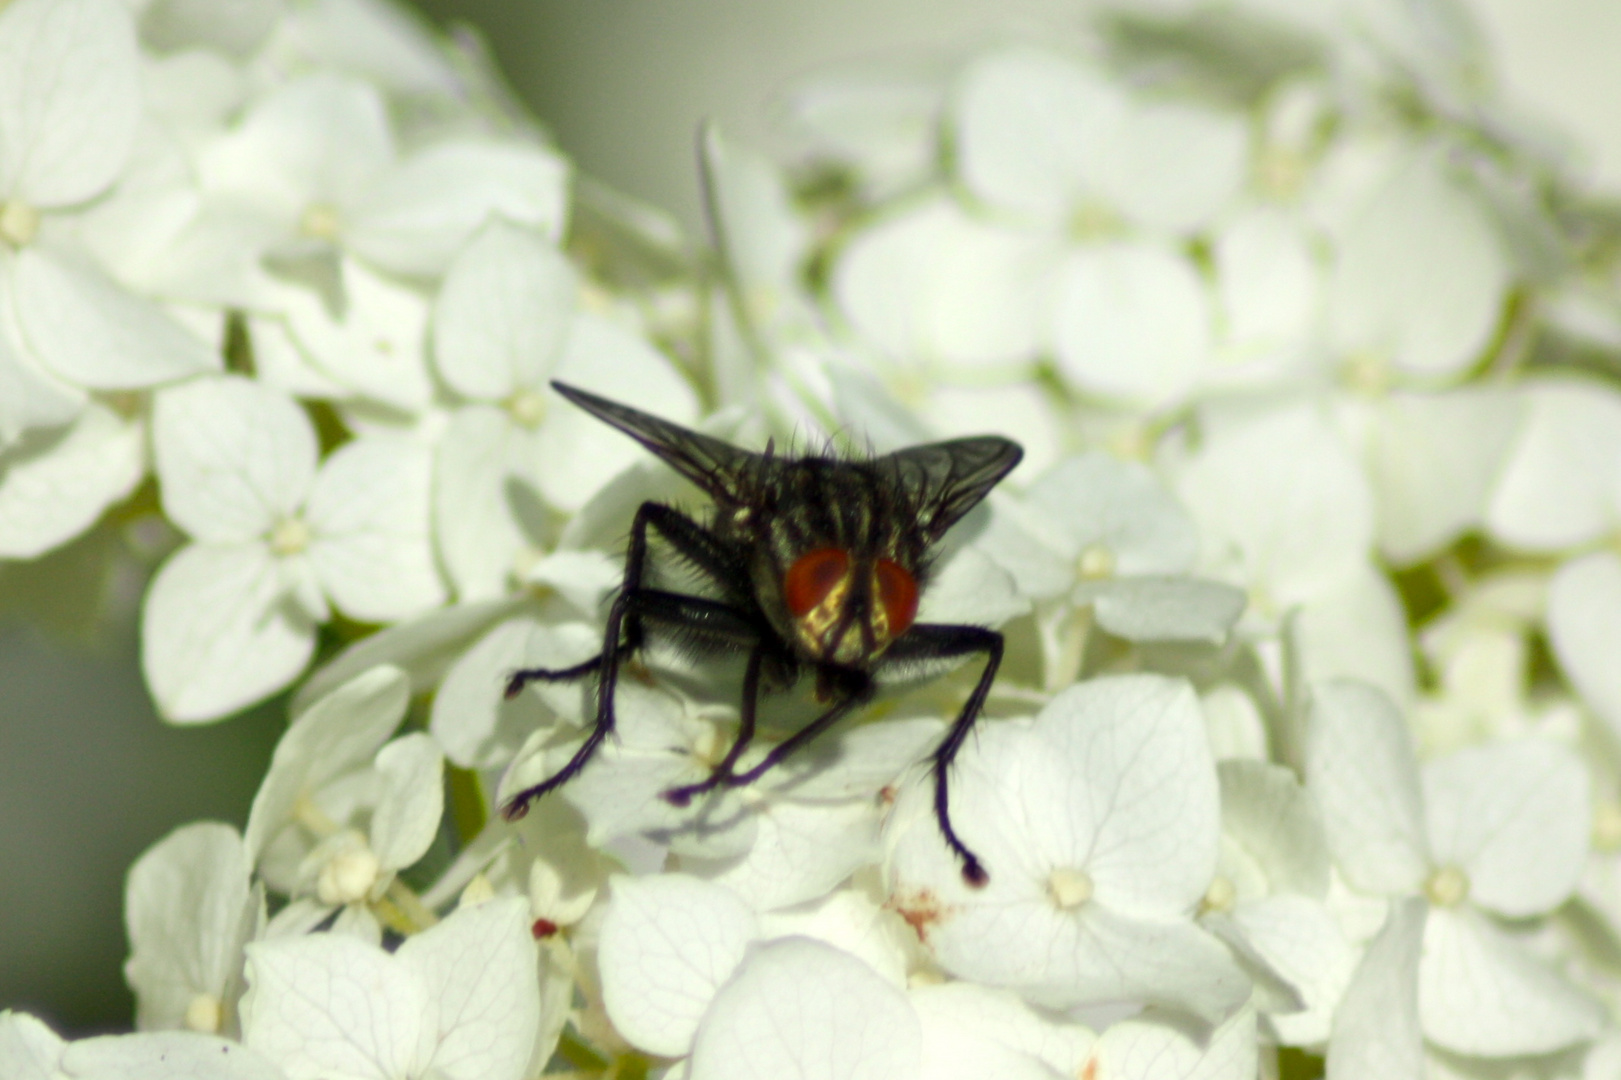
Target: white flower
x,y
688,968
1098,824
54,485
372,346
331,776
31,1051
1420,273
460,1000
190,908
790,837
1285,512
1584,628
506,322
313,170
1267,900
1100,533
70,103
473,719
799,1007
1561,485
1493,830
231,617
1084,190
1433,461
972,1031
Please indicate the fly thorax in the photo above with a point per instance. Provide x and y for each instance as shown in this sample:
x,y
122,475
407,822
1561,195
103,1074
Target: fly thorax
x,y
847,610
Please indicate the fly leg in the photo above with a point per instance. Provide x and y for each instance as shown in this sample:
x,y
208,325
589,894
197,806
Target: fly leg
x,y
721,774
690,539
926,642
707,621
856,695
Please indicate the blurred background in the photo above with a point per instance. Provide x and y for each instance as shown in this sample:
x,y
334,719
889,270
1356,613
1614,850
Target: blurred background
x,y
89,777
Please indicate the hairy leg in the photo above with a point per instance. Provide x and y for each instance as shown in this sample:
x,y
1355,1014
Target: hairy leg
x,y
934,642
690,539
681,796
707,620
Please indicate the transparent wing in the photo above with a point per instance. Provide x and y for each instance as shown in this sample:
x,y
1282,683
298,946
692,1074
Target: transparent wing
x,y
721,469
945,480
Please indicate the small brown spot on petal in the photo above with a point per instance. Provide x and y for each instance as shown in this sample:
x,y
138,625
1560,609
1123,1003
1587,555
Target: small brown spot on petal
x,y
922,910
542,929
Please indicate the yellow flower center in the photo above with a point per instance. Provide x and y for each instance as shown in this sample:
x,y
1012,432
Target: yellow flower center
x,y
19,223
1220,896
527,407
290,536
320,221
205,1013
1070,887
348,877
1447,887
1096,562
1607,827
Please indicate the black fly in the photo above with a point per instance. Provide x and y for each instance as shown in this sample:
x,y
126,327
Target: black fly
x,y
818,564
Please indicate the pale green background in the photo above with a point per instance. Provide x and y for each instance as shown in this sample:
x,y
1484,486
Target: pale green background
x,y
88,777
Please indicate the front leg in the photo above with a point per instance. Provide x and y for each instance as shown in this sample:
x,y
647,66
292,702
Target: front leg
x,y
705,619
926,642
690,539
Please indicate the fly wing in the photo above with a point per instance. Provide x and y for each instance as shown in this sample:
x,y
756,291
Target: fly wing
x,y
723,470
945,480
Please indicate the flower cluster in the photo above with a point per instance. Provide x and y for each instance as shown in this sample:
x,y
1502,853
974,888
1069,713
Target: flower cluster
x,y
1302,751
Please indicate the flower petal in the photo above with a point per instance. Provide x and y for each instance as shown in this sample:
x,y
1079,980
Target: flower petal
x,y
1282,506
1433,460
936,284
369,511
377,345
503,313
417,216
340,730
1480,992
189,909
1277,822
1515,817
1559,487
480,973
51,490
609,359
165,1055
1360,766
1140,1049
1584,627
413,800
472,718
87,329
217,632
668,944
70,98
1165,608
800,1008
28,1049
328,1004
1034,130
1376,1030
1421,274
1131,322
234,457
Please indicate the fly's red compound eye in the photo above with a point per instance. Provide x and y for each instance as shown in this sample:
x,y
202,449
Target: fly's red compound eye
x,y
897,594
812,577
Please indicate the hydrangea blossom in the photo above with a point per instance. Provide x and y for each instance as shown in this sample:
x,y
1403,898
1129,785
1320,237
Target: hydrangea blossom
x,y
1301,753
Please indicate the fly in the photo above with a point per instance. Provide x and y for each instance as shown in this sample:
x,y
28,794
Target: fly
x,y
817,563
